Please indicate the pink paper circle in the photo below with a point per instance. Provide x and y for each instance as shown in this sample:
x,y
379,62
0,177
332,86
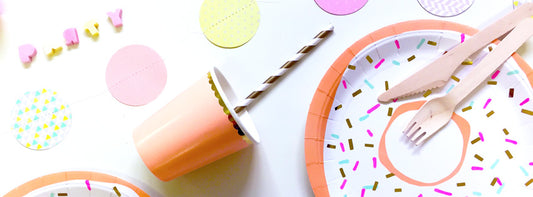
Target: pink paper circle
x,y
136,75
340,7
446,8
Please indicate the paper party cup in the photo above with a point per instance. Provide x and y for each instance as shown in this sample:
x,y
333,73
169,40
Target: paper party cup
x,y
197,127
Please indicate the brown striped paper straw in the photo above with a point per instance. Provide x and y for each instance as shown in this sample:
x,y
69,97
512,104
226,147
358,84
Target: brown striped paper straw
x,y
283,69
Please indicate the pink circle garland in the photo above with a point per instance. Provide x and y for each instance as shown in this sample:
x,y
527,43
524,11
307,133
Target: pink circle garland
x,y
445,8
136,75
341,7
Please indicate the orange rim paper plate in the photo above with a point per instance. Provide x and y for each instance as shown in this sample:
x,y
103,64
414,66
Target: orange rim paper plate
x,y
354,145
77,183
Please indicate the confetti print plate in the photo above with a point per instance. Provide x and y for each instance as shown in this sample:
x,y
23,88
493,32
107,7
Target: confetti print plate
x,y
77,183
355,145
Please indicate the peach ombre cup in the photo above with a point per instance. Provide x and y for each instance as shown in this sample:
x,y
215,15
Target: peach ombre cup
x,y
197,127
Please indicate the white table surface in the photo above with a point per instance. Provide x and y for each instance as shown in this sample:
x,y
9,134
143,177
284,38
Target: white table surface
x,y
101,136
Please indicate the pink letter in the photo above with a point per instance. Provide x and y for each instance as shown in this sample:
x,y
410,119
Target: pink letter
x,y
116,17
27,52
71,36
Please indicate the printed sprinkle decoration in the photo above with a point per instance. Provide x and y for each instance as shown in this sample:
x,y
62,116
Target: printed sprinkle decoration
x,y
40,120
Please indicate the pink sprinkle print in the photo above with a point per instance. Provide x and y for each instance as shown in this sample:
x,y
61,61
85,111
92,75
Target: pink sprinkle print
x,y
477,168
498,181
370,133
88,185
397,44
355,166
343,183
373,108
443,192
462,38
394,100
481,137
363,192
379,63
487,103
531,163
374,162
420,195
342,147
511,141
344,84
524,102
495,74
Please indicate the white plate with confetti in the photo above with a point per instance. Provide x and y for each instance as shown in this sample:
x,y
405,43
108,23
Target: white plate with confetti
x,y
355,145
80,183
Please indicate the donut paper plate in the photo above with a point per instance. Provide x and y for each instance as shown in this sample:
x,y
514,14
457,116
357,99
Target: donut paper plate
x,y
354,145
79,184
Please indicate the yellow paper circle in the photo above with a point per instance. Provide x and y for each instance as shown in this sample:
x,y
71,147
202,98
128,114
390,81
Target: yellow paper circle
x,y
229,23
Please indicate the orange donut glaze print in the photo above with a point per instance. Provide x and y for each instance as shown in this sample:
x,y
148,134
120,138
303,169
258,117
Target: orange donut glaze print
x,y
463,125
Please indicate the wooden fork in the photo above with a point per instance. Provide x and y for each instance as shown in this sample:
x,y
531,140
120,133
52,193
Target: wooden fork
x,y
437,112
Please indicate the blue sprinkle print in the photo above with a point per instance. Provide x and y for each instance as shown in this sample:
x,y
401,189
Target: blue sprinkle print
x,y
369,84
368,187
494,164
420,44
449,89
471,103
500,189
524,171
335,136
514,72
364,117
477,193
395,62
346,161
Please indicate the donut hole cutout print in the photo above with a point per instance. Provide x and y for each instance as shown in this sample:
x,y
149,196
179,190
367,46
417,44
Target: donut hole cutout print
x,y
434,164
229,23
341,7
